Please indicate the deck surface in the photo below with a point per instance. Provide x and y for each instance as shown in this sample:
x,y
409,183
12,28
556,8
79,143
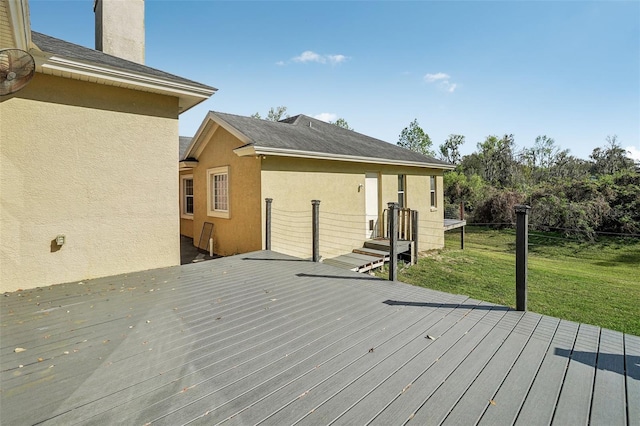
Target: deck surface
x,y
263,338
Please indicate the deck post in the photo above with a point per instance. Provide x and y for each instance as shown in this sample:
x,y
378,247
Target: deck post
x,y
315,219
414,232
462,227
522,249
393,241
267,225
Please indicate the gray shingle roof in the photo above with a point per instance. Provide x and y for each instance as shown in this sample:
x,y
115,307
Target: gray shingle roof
x,y
184,142
73,51
304,133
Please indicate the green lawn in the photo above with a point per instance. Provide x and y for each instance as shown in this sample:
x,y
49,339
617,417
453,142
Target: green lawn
x,y
591,282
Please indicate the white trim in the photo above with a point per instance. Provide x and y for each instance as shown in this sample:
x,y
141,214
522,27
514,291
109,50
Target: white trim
x,y
205,132
433,192
252,150
188,164
20,23
189,95
183,214
211,210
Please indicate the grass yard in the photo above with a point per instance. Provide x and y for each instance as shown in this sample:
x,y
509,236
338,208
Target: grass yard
x,y
591,282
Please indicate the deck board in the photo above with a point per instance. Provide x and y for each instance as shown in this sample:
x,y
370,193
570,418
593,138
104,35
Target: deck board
x,y
574,407
513,390
267,338
609,394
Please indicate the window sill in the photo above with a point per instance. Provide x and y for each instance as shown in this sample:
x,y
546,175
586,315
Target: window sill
x,y
186,216
222,215
434,209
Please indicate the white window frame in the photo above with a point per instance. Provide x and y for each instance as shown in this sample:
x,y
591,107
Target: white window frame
x,y
183,196
211,210
402,190
433,193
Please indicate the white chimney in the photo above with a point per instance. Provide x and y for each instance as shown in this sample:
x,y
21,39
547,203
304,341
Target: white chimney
x,y
120,28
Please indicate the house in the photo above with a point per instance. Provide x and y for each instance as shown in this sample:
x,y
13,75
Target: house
x,y
234,163
87,153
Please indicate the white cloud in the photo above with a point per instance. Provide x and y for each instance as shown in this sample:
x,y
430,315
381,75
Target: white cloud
x,y
326,116
336,59
443,80
430,78
633,152
311,56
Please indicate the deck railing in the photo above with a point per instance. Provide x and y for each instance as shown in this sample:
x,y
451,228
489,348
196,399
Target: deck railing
x,y
407,224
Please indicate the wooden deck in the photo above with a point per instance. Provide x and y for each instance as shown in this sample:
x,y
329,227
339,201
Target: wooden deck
x,y
450,224
264,338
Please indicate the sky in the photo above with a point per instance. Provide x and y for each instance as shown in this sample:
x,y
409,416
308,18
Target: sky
x,y
569,70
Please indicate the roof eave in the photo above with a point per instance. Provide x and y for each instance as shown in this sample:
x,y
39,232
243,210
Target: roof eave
x,y
188,164
205,132
188,95
252,150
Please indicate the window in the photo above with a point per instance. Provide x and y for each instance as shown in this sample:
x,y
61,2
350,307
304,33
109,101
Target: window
x,y
186,198
401,194
434,199
218,192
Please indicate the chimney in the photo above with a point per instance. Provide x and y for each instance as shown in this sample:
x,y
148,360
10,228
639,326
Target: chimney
x,y
120,28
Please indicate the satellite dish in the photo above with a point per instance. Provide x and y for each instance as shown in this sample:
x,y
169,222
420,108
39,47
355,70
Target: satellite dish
x,y
16,70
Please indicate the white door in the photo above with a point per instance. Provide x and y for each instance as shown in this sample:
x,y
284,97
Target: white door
x,y
371,203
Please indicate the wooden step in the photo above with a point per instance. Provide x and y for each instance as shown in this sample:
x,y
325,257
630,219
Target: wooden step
x,y
372,252
383,245
355,262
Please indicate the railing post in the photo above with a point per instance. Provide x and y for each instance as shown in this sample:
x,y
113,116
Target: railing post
x,y
267,224
414,231
522,253
315,218
393,241
462,227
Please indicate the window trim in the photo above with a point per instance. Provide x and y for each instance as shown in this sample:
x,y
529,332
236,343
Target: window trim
x,y
211,210
183,196
402,189
433,193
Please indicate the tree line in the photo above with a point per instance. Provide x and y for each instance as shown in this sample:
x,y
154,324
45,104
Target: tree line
x,y
566,194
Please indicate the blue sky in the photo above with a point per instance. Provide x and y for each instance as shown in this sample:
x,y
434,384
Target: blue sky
x,y
569,70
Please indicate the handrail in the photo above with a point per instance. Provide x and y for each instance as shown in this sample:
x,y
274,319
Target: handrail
x,y
406,225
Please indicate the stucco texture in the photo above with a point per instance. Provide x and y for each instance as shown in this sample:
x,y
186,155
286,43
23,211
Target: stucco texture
x,y
292,183
240,233
95,164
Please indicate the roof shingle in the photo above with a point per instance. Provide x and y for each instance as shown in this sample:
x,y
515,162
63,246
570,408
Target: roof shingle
x,y
303,133
73,51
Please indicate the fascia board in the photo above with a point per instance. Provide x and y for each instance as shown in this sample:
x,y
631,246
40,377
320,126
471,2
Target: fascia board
x,y
205,133
258,150
19,21
189,95
188,165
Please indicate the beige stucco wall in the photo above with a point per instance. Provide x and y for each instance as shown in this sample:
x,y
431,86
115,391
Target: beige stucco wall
x,y
240,233
97,164
119,28
293,183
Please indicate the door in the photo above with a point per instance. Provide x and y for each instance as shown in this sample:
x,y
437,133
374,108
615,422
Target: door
x,y
371,204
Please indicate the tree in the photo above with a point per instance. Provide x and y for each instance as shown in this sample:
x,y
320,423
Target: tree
x,y
341,122
612,159
274,114
450,149
498,163
540,159
415,139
